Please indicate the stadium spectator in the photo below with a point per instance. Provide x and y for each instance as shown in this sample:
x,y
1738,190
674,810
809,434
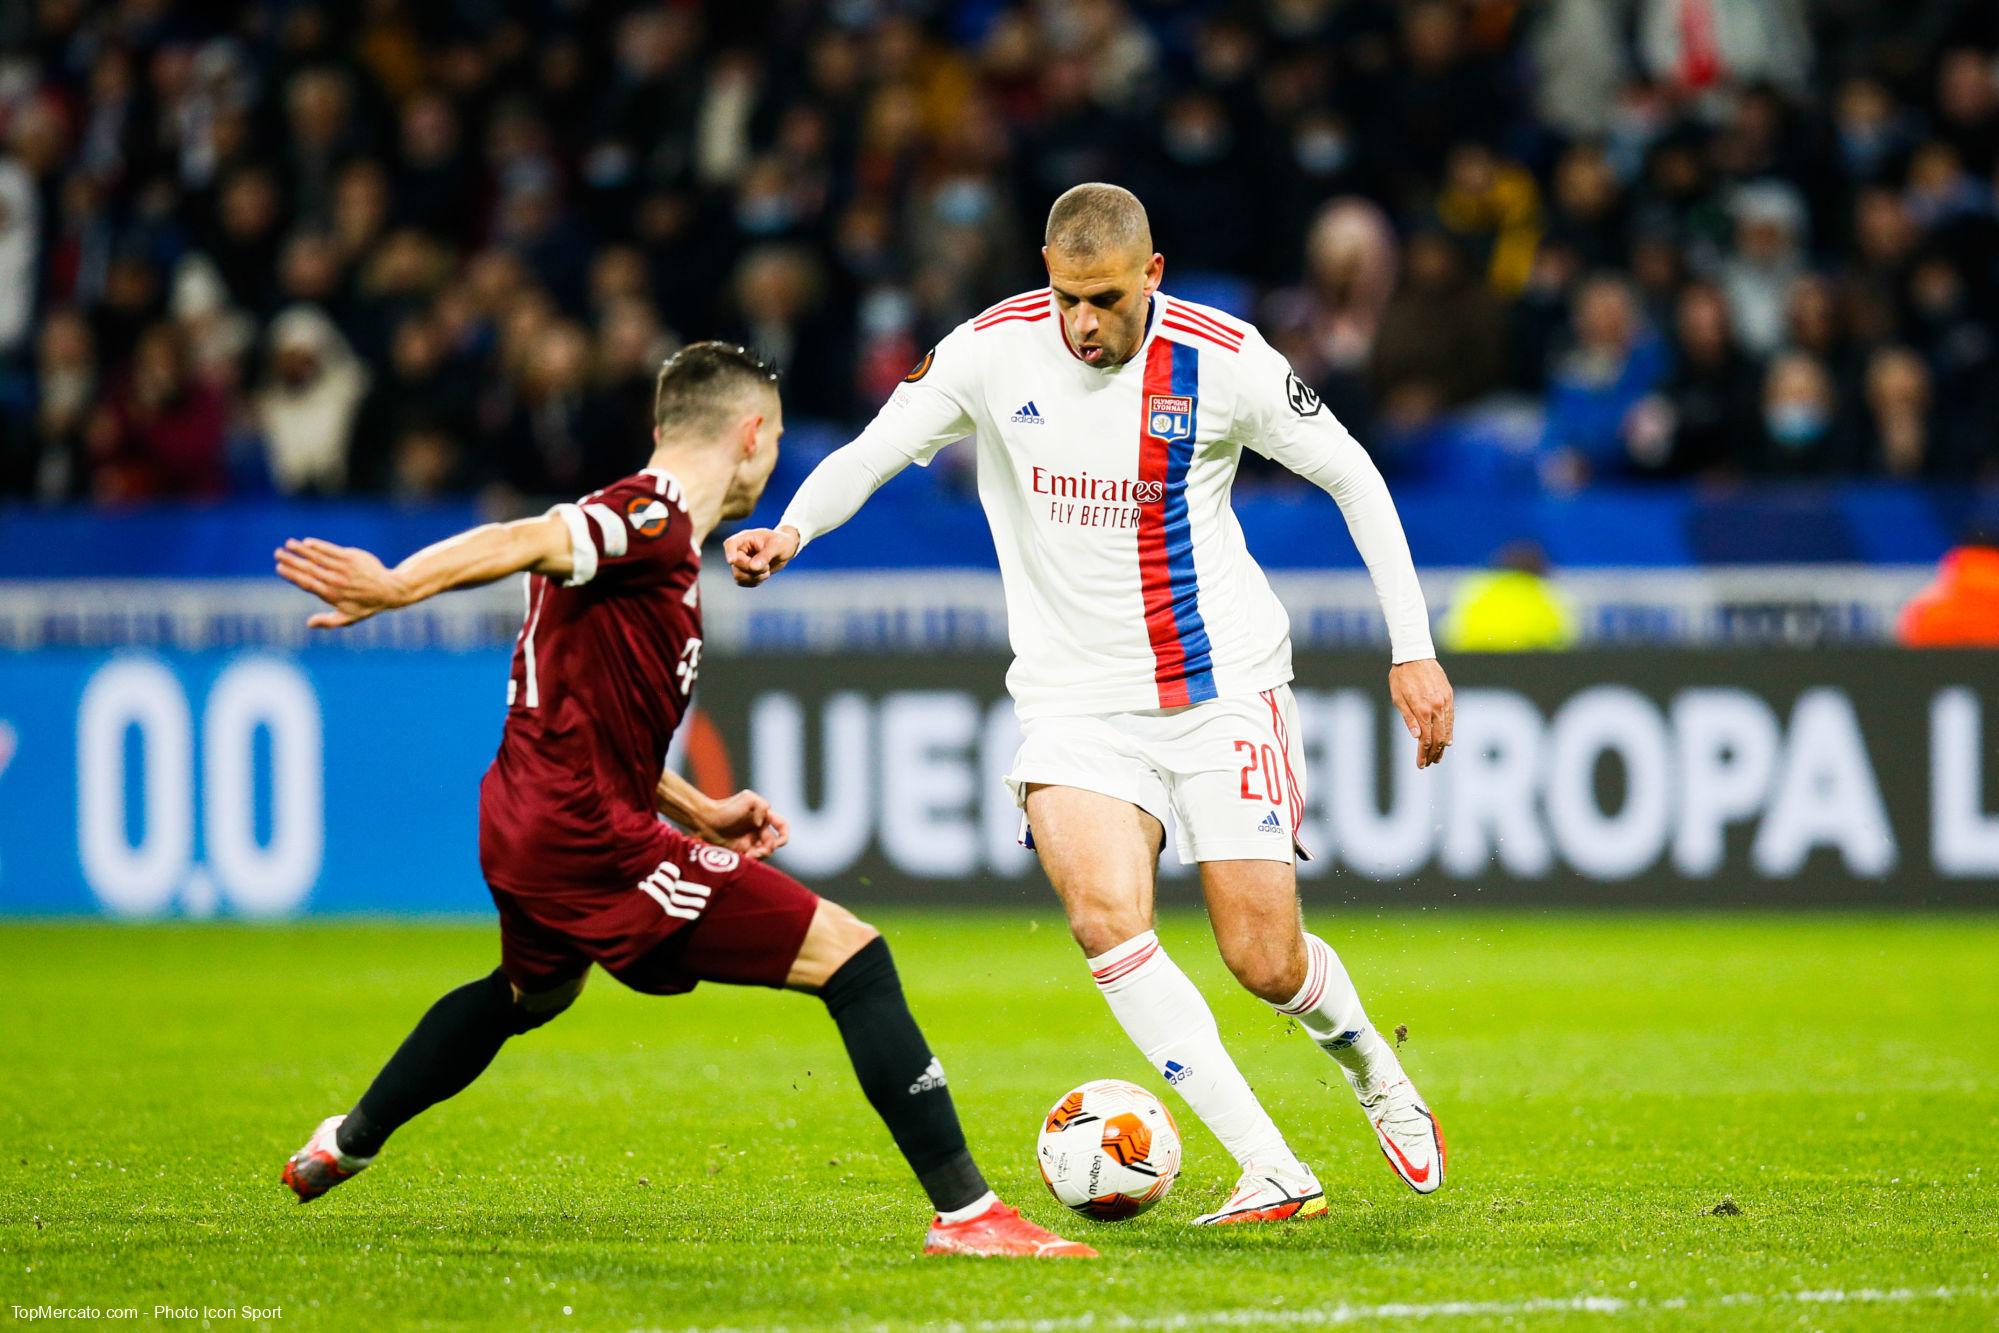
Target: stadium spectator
x,y
308,401
780,294
1815,323
1699,46
546,445
1445,97
244,238
1803,431
1902,437
433,180
1588,210
1711,399
1328,325
1768,258
417,396
218,334
162,432
1874,131
1442,339
1967,102
47,417
20,249
1495,206
1612,369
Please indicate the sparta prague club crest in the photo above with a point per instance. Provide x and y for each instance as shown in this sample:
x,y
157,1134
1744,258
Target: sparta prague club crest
x,y
1169,418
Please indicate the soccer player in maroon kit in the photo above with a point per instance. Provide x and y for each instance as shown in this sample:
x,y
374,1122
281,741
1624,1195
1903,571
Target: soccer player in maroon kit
x,y
580,866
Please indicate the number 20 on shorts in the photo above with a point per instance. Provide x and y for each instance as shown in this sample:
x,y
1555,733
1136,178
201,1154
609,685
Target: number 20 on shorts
x,y
1261,762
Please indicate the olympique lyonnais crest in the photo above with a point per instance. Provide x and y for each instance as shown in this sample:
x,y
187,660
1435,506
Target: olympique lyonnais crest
x,y
648,515
1168,418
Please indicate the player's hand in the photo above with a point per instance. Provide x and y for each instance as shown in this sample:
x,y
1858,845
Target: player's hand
x,y
1422,694
746,825
351,581
757,553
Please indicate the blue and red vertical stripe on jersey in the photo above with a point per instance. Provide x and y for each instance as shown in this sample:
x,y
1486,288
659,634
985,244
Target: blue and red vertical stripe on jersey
x,y
1183,660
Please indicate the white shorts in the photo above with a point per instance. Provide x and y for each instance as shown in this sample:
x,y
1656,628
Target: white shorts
x,y
1228,770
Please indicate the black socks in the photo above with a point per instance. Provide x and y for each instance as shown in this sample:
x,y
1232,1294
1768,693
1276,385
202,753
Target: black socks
x,y
450,1047
460,1035
902,1080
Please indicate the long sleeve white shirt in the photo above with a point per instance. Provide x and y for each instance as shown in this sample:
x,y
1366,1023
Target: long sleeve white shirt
x,y
1128,583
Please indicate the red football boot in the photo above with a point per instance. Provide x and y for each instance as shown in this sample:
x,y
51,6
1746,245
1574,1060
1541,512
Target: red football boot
x,y
320,1165
1000,1230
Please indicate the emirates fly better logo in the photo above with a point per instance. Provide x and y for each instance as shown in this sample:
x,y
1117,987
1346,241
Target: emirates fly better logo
x,y
1081,500
1109,490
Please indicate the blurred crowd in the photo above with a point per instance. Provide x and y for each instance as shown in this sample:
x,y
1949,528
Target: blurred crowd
x,y
404,248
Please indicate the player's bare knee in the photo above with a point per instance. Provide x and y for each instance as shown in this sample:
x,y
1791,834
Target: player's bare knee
x,y
833,938
1098,930
1265,971
845,934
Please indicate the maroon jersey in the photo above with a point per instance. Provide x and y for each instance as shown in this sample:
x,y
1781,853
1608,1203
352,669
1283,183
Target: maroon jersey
x,y
602,672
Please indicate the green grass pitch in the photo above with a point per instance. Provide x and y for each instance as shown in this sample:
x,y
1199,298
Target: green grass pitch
x,y
707,1161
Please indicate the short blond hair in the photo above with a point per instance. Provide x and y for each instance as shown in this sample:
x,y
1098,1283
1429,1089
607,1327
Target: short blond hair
x,y
1096,218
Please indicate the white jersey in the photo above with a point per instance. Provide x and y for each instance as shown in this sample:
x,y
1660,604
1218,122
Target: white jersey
x,y
1128,584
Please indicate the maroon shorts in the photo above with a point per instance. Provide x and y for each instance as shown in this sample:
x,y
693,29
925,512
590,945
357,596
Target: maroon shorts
x,y
705,914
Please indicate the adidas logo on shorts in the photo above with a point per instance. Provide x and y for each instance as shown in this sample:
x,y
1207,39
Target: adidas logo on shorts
x,y
1271,824
933,1078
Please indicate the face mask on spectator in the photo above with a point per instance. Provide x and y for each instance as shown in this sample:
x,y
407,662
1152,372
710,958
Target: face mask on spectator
x,y
1864,148
965,203
1321,152
1795,425
766,215
1195,143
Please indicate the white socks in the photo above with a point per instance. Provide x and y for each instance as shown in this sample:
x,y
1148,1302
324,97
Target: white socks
x,y
970,1210
1169,1021
1328,1007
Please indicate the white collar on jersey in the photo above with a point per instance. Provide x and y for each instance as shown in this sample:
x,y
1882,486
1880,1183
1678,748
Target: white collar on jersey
x,y
664,482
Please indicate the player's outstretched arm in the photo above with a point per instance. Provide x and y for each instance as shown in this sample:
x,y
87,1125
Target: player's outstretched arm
x,y
757,553
744,823
357,585
925,413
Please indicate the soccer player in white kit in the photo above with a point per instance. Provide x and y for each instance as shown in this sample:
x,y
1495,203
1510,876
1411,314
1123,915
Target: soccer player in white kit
x,y
1152,661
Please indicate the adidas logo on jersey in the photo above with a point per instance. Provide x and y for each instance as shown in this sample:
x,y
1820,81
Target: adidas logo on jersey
x,y
1174,1071
1029,415
933,1078
1271,824
675,896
